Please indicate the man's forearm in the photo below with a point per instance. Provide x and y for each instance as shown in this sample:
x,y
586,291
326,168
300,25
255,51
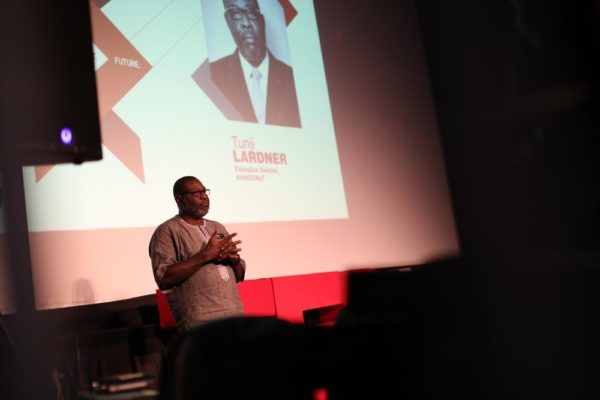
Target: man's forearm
x,y
239,269
178,273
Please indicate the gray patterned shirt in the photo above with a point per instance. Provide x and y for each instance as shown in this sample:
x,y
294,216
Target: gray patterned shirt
x,y
211,292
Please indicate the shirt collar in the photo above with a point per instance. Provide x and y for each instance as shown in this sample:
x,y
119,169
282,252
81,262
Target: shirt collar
x,y
247,67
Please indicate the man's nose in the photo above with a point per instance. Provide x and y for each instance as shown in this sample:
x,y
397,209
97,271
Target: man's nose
x,y
245,20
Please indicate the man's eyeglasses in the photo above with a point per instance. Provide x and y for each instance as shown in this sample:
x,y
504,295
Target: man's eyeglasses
x,y
237,13
197,193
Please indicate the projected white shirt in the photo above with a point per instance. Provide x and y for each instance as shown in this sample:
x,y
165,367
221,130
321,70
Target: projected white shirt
x,y
249,71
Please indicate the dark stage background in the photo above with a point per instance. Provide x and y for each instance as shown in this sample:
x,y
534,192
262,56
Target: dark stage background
x,y
516,90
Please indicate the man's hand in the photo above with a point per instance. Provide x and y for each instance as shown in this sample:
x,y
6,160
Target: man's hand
x,y
223,249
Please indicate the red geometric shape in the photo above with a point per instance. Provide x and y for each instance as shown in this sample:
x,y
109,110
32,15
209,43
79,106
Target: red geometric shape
x,y
292,299
124,143
113,77
289,11
165,315
41,171
257,297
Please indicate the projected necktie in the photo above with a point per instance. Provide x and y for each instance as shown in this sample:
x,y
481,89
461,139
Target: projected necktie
x,y
257,94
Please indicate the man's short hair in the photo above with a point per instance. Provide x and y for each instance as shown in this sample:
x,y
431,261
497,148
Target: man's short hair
x,y
178,185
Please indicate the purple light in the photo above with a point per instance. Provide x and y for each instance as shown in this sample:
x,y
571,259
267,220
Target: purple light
x,y
66,136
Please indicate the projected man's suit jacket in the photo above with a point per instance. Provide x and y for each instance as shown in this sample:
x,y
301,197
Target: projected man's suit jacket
x,y
282,105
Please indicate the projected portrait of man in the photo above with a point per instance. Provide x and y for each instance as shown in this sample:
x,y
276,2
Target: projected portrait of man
x,y
258,85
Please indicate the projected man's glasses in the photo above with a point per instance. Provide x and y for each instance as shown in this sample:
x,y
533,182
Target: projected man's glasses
x,y
237,13
198,193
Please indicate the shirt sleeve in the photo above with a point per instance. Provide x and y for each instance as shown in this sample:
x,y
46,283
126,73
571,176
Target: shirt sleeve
x,y
163,252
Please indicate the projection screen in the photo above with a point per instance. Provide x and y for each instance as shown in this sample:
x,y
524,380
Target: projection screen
x,y
335,178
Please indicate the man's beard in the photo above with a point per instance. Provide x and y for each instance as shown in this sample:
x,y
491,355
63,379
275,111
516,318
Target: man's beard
x,y
196,212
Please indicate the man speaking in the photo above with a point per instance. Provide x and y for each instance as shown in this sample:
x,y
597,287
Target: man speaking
x,y
258,85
